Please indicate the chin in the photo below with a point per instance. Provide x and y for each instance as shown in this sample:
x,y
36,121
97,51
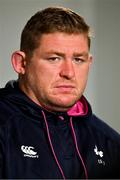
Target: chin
x,y
62,102
66,103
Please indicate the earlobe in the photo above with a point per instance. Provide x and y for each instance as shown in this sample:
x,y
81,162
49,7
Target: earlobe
x,y
18,62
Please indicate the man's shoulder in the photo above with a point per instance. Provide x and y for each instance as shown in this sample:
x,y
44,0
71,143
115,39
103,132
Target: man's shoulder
x,y
104,129
5,112
3,93
4,98
10,88
7,108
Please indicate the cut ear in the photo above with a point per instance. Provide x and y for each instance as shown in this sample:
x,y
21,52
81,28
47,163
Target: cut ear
x,y
18,62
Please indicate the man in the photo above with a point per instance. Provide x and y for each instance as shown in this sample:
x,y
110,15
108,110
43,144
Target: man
x,y
47,128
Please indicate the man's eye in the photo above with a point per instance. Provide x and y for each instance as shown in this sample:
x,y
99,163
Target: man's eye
x,y
79,60
53,58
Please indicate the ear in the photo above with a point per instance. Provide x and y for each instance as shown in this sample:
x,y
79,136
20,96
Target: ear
x,y
18,62
90,59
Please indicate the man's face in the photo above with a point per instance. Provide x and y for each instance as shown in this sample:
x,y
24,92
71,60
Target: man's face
x,y
56,75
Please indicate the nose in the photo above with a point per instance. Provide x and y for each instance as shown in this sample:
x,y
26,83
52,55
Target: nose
x,y
67,69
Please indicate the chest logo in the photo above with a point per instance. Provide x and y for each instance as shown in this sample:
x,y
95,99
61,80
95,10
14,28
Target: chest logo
x,y
100,156
98,153
29,151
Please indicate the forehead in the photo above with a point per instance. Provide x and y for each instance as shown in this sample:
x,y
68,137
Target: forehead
x,y
63,41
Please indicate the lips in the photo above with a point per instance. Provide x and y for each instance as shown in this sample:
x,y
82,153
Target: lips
x,y
65,88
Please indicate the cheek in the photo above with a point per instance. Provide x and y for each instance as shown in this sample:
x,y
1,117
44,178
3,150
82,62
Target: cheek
x,y
82,76
45,78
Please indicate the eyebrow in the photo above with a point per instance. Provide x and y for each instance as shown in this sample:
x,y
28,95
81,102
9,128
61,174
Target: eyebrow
x,y
85,54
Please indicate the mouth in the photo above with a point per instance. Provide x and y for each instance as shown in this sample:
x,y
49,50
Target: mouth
x,y
65,88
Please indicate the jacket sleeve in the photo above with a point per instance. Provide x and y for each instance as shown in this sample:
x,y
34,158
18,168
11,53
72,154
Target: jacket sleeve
x,y
1,164
1,155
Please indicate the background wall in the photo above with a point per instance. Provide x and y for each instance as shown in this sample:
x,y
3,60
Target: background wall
x,y
104,17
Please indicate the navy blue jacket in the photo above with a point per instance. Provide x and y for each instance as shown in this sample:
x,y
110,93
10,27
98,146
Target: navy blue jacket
x,y
38,144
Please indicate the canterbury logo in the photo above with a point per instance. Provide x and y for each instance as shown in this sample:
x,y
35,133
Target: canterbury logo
x,y
29,151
